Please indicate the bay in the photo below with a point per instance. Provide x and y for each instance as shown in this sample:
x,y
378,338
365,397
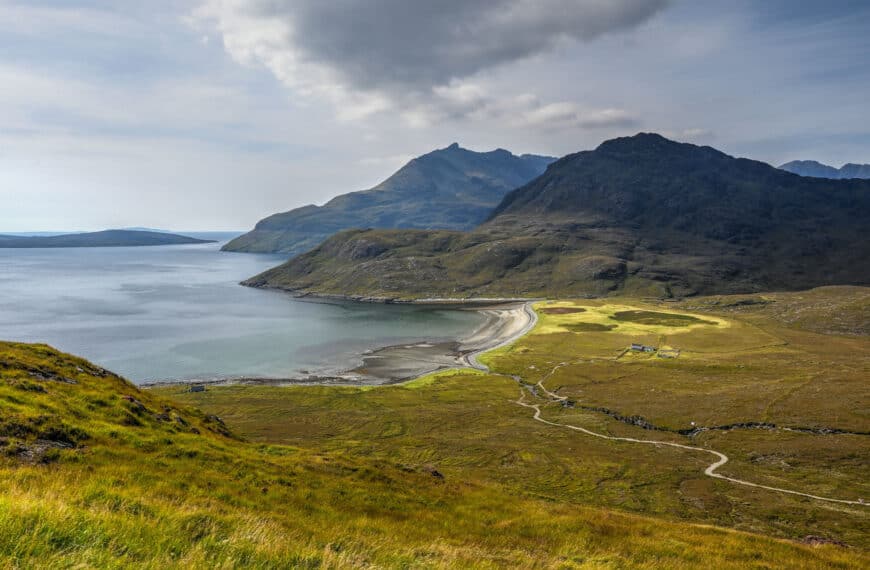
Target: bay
x,y
178,313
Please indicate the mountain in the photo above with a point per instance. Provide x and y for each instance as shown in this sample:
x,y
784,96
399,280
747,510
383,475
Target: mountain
x,y
639,215
451,188
107,238
819,170
853,170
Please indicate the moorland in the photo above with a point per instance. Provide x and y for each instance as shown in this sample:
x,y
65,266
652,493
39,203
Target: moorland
x,y
449,469
776,382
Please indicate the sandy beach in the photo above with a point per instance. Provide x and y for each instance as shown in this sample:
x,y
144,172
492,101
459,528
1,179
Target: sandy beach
x,y
505,322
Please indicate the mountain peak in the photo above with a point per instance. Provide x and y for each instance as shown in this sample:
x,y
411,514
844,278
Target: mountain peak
x,y
448,188
638,141
640,215
815,169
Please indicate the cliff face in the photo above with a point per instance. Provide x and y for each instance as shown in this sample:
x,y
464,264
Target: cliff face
x,y
451,188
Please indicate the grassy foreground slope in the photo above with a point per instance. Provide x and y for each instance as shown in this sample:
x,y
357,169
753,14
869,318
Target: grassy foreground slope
x,y
96,473
778,382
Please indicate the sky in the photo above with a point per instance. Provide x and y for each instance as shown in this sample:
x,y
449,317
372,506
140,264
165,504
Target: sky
x,y
212,114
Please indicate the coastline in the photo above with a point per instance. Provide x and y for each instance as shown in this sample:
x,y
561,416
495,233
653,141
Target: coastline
x,y
506,321
457,301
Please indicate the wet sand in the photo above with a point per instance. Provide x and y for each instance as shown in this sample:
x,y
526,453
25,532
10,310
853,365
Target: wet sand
x,y
503,325
393,364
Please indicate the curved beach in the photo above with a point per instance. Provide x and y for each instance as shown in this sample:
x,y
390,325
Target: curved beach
x,y
503,325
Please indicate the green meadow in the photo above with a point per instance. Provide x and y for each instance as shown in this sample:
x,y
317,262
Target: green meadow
x,y
448,471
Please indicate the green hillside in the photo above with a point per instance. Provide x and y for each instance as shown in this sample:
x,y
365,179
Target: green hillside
x,y
640,215
450,188
96,473
777,382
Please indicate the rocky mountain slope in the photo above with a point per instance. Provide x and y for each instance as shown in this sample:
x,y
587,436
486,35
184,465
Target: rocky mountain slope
x,y
639,215
819,170
107,238
451,188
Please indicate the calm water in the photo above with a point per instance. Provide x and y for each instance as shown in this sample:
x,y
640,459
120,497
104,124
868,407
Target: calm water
x,y
157,313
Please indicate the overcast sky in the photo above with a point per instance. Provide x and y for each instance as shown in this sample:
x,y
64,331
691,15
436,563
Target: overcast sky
x,y
211,114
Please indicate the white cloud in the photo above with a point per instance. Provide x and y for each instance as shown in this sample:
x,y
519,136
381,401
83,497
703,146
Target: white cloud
x,y
570,115
394,161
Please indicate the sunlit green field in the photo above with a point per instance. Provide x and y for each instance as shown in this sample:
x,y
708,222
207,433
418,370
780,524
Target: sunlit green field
x,y
736,364
448,470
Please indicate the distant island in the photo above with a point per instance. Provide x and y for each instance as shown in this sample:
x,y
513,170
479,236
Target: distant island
x,y
107,238
641,215
450,189
816,169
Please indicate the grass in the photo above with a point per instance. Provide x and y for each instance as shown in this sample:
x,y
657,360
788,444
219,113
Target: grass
x,y
97,473
659,318
749,366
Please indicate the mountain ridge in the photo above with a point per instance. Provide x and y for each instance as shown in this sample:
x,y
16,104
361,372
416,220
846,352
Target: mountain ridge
x,y
450,188
817,169
638,215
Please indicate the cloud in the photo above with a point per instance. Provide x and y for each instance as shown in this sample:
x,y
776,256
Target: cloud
x,y
571,115
694,135
395,160
421,59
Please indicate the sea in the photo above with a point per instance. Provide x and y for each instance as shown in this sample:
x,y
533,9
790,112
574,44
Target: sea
x,y
178,313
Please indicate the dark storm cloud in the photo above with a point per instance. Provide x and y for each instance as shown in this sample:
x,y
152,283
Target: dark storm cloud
x,y
421,59
111,110
431,43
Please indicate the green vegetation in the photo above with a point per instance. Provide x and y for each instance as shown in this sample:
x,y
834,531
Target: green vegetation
x,y
451,188
657,318
751,367
639,216
589,327
96,473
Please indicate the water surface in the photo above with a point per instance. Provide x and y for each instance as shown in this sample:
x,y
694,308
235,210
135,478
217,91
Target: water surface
x,y
177,312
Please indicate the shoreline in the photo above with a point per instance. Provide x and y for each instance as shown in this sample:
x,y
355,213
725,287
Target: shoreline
x,y
506,321
448,301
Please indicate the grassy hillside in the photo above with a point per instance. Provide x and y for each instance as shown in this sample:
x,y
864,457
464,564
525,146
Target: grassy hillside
x,y
96,473
107,238
640,216
450,188
784,398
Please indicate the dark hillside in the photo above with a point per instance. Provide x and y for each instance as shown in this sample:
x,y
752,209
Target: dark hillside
x,y
641,215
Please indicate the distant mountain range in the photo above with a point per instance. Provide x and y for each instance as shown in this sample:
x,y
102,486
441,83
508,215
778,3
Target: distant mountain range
x,y
639,215
107,238
451,188
819,170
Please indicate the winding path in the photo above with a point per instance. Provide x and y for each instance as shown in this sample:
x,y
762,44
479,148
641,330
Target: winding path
x,y
470,360
710,471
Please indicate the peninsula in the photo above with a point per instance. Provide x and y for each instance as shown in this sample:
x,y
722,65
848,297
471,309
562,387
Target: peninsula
x,y
107,238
